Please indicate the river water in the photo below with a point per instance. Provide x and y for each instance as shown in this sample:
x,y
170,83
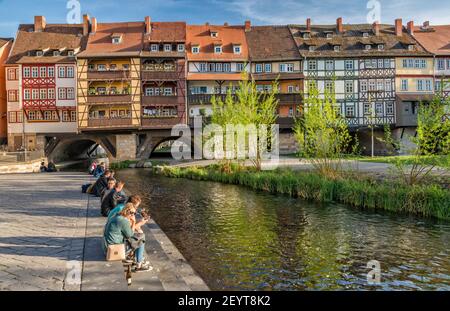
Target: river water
x,y
238,239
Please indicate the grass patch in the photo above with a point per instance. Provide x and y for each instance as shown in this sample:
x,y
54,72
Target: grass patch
x,y
423,200
437,160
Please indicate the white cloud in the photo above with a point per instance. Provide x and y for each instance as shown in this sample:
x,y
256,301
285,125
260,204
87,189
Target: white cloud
x,y
326,11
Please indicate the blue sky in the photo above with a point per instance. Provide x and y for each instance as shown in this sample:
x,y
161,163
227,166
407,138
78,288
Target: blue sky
x,y
14,12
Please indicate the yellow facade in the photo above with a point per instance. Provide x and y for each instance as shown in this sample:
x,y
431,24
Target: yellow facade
x,y
105,105
414,74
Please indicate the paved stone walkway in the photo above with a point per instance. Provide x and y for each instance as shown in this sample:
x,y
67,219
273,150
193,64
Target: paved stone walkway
x,y
42,227
50,239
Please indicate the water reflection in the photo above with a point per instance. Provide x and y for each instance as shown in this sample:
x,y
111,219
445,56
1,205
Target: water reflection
x,y
237,239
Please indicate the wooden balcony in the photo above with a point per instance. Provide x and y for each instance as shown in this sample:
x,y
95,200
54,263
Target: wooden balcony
x,y
160,100
162,122
370,121
105,99
285,122
199,99
108,75
110,122
161,75
283,98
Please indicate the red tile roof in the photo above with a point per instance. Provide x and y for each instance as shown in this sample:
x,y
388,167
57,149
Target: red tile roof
x,y
100,43
270,43
4,41
170,32
228,35
54,37
435,39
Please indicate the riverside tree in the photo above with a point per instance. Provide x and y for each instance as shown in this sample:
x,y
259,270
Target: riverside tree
x,y
322,133
432,140
247,108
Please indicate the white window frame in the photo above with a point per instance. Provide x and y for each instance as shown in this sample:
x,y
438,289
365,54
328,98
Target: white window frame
x,y
404,85
195,49
218,49
258,68
237,49
349,64
154,47
167,47
180,48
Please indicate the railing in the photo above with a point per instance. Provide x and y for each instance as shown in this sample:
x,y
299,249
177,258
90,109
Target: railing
x,y
109,98
367,121
160,75
109,122
160,100
283,98
108,74
162,122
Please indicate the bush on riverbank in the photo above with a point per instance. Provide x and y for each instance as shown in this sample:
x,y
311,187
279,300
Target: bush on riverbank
x,y
424,200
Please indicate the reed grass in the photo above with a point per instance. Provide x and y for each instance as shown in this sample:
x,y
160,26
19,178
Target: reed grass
x,y
423,200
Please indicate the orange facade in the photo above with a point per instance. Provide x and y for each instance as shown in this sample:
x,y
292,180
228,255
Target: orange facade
x,y
4,52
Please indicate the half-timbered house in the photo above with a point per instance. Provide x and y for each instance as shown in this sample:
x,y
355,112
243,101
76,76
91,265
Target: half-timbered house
x,y
41,83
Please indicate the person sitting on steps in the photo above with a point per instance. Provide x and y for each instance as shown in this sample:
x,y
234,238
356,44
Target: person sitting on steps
x,y
102,183
135,199
116,196
121,229
99,170
110,186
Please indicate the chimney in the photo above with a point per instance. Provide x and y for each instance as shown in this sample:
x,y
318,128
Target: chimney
x,y
308,24
94,25
376,28
248,26
426,24
39,23
411,28
148,25
398,27
339,27
85,25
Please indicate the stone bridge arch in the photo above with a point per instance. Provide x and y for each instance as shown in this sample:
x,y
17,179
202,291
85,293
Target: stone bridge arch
x,y
75,147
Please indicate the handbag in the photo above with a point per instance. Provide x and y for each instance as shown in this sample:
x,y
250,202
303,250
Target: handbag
x,y
115,252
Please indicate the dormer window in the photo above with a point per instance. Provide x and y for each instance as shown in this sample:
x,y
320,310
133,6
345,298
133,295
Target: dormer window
x,y
214,34
154,47
39,53
195,49
116,38
411,47
312,48
365,34
329,35
337,48
55,53
368,47
306,35
167,47
70,53
237,49
380,47
180,48
218,49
